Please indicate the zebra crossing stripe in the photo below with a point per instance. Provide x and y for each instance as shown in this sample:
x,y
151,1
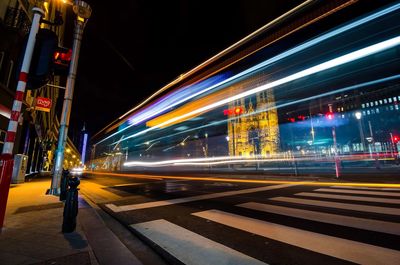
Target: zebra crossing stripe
x,y
355,222
189,247
379,193
146,205
339,205
364,188
348,197
344,249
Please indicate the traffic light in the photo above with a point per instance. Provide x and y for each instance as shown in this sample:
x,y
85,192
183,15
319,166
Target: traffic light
x,y
41,63
61,60
238,110
330,115
396,139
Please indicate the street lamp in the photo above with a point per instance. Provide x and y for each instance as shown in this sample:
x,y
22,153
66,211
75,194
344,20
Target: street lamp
x,y
83,12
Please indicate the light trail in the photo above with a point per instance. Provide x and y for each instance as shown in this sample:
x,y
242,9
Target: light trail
x,y
134,163
279,57
220,160
350,57
222,179
334,91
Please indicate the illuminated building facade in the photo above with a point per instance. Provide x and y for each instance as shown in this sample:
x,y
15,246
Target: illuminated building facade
x,y
253,128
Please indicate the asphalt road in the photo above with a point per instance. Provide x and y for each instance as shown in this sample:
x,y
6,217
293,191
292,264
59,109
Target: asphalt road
x,y
213,222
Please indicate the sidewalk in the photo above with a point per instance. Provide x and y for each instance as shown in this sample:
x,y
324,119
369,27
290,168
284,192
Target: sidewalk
x,y
32,232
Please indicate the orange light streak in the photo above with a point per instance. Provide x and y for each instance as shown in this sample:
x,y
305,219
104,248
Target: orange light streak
x,y
308,183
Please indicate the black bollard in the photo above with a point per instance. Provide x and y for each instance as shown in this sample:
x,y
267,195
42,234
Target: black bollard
x,y
64,184
71,205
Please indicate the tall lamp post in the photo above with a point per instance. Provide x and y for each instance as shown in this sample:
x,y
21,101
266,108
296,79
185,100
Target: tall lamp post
x,y
83,12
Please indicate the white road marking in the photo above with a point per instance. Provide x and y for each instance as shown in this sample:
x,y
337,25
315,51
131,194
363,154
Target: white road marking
x,y
345,249
191,248
361,223
339,205
366,192
364,188
347,197
145,205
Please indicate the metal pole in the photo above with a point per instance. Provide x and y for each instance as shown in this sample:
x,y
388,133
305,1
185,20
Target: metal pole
x,y
361,130
23,77
83,12
374,149
6,160
337,162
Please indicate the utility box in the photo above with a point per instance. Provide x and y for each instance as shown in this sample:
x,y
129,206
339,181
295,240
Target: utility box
x,y
20,164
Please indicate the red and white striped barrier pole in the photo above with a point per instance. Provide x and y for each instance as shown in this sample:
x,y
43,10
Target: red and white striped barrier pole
x,y
6,158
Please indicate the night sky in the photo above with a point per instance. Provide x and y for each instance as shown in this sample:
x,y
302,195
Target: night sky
x,y
133,49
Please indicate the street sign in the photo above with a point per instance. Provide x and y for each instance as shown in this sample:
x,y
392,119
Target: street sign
x,y
43,104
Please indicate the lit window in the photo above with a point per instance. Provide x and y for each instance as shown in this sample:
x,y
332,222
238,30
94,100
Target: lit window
x,y
385,101
398,97
390,100
363,105
394,99
377,110
364,112
396,107
380,101
391,107
376,103
368,112
371,103
367,104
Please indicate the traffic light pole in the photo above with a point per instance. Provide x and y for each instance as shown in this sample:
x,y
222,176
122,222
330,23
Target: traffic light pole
x,y
6,160
83,12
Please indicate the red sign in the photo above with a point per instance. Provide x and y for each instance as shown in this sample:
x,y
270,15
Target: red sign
x,y
43,104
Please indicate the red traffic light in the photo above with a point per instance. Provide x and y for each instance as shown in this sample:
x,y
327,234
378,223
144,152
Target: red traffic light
x,y
330,115
62,56
238,110
396,138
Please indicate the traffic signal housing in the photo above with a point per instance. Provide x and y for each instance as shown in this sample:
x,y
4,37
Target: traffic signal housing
x,y
47,59
42,57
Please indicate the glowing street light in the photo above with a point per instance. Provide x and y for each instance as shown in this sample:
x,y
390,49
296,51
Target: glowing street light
x,y
358,115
